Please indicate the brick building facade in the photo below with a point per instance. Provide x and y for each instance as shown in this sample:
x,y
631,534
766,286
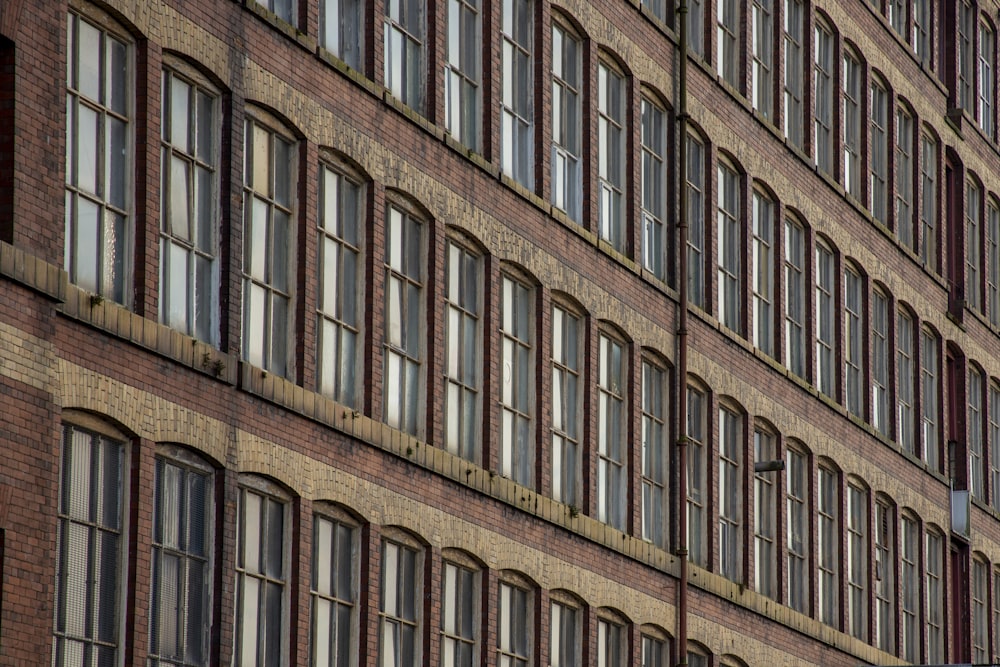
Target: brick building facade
x,y
337,332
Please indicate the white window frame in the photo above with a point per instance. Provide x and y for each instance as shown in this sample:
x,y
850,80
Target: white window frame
x,y
516,395
992,259
973,254
612,129
611,643
928,201
460,605
655,651
965,29
99,215
463,341
286,10
885,583
514,625
696,249
567,404
341,225
403,344
727,59
934,578
904,178
696,26
567,122
612,446
881,391
795,296
910,584
993,443
697,480
975,445
979,598
269,247
564,635
823,98
828,550
930,412
898,13
985,83
854,337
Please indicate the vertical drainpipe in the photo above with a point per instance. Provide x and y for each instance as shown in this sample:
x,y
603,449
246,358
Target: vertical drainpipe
x,y
682,333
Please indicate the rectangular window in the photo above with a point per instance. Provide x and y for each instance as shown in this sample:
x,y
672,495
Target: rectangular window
x,y
904,179
657,8
794,73
611,127
857,561
458,616
99,91
284,9
730,250
994,445
261,578
980,615
852,125
654,453
612,471
180,614
973,273
923,16
905,384
333,593
965,27
928,202
516,115
463,72
341,225
880,363
935,598
910,581
696,221
696,26
727,60
567,131
564,640
610,642
341,29
853,342
986,70
403,53
763,273
765,518
929,402
975,437
189,272
654,188
400,603
566,406
90,566
516,453
898,10
795,298
654,652
823,95
697,493
730,497
885,578
762,72
797,505
513,627
269,246
463,421
828,551
825,279
996,615
879,154
402,346
993,262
